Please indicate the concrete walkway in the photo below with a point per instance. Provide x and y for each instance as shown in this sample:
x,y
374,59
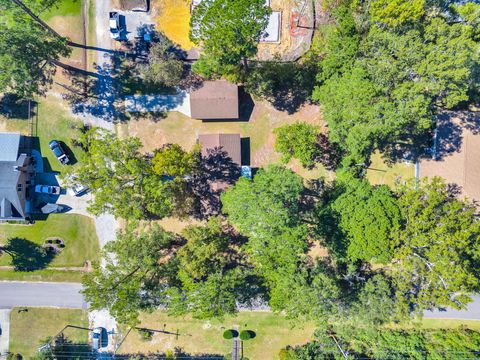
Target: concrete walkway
x,y
4,332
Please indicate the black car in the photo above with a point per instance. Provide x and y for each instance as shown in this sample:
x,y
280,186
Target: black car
x,y
59,152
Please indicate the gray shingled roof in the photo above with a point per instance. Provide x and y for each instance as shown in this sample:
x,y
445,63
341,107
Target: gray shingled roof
x,y
9,144
9,175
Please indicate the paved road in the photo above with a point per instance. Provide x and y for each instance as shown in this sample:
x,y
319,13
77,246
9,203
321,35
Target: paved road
x,y
61,295
471,313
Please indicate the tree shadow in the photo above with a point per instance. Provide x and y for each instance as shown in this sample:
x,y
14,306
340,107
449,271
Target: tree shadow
x,y
14,107
28,256
286,85
98,93
217,172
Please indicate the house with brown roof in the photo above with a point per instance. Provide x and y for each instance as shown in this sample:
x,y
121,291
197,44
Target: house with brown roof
x,y
222,156
215,100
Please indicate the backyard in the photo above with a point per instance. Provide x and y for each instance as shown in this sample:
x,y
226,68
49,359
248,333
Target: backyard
x,y
379,172
53,121
30,329
273,332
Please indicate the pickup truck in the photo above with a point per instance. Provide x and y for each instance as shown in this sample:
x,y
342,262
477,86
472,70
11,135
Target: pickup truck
x,y
114,24
59,152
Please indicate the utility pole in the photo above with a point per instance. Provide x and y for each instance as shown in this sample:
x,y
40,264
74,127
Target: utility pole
x,y
332,335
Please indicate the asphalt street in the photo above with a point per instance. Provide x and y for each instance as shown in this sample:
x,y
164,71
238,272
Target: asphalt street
x,y
471,313
41,294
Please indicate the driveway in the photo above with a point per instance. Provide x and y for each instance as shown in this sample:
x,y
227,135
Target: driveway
x,y
41,294
4,332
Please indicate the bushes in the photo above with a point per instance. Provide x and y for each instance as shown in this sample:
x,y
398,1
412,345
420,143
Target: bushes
x,y
230,334
387,343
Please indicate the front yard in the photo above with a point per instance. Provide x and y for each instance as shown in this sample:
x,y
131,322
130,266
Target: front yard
x,y
30,329
77,231
273,332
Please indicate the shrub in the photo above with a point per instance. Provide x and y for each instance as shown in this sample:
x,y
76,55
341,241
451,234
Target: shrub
x,y
145,334
245,335
230,334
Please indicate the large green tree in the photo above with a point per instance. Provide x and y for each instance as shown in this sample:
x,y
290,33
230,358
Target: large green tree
x,y
139,268
213,272
267,210
437,252
367,216
164,69
28,51
126,183
265,205
380,87
228,31
298,140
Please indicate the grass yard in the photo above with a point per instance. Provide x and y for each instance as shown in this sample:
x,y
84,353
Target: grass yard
x,y
63,8
174,21
180,129
54,122
77,231
450,324
42,275
273,332
381,173
29,329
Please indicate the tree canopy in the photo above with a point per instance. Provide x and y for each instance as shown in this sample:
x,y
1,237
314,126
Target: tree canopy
x,y
441,233
228,32
298,140
28,51
380,87
138,269
163,68
367,216
127,184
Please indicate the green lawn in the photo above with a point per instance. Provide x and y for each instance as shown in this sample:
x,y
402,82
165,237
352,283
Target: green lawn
x,y
273,332
77,231
379,172
63,8
450,324
54,122
42,275
28,330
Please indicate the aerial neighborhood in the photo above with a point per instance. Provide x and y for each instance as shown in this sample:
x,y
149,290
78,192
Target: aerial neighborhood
x,y
239,179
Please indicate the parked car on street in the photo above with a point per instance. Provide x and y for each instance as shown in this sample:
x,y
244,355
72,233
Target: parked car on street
x,y
114,24
47,189
78,190
59,152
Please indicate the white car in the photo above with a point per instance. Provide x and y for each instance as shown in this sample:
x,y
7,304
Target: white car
x,y
114,24
47,189
78,190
